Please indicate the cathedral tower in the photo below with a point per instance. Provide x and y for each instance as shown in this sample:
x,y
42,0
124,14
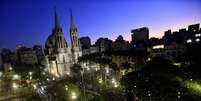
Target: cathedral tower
x,y
57,52
76,49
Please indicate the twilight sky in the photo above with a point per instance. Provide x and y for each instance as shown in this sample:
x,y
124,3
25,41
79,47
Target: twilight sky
x,y
30,22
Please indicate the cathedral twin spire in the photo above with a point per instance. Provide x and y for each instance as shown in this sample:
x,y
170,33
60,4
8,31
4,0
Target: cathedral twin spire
x,y
56,19
73,29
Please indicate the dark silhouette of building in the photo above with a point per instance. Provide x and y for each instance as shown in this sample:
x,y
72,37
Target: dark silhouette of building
x,y
140,36
120,44
104,44
85,42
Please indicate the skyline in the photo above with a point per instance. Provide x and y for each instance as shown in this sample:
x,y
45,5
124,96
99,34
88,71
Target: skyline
x,y
34,20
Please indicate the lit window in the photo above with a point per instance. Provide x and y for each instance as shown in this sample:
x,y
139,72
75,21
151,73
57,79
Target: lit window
x,y
158,47
197,40
189,41
198,35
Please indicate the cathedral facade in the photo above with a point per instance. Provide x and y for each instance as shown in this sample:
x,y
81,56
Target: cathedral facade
x,y
60,57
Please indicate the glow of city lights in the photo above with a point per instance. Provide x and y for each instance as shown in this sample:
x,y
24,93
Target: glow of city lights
x,y
43,73
34,86
177,64
107,70
68,73
189,41
100,80
198,35
16,77
10,68
113,80
48,79
15,86
88,68
96,69
30,73
73,96
191,85
66,87
197,40
56,75
116,85
158,47
1,74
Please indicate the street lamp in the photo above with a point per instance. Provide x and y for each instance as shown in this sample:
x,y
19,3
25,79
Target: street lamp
x,y
73,96
66,87
100,80
30,73
16,77
15,86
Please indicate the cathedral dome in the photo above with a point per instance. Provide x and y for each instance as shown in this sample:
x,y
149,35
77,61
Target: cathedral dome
x,y
56,41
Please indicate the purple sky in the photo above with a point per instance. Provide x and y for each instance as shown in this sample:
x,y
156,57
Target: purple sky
x,y
30,22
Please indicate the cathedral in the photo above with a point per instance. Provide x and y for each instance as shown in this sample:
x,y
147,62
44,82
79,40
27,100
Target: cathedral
x,y
60,57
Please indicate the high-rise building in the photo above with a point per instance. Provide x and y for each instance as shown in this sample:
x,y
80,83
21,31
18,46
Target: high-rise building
x,y
85,42
104,44
193,28
140,36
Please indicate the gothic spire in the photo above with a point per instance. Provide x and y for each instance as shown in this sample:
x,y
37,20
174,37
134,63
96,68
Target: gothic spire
x,y
72,25
56,19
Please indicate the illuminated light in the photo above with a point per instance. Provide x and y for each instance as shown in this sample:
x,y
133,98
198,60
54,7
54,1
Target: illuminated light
x,y
15,85
179,96
34,86
48,79
100,80
10,68
177,64
158,47
88,68
30,77
113,80
96,69
116,85
66,87
56,75
189,41
135,86
123,72
68,73
178,93
53,78
149,59
30,73
16,77
198,35
1,74
193,86
107,70
73,96
43,73
197,40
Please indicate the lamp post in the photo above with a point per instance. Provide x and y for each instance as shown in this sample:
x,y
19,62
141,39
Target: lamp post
x,y
83,84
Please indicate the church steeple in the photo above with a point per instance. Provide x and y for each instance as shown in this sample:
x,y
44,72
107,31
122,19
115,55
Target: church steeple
x,y
72,24
56,19
73,32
